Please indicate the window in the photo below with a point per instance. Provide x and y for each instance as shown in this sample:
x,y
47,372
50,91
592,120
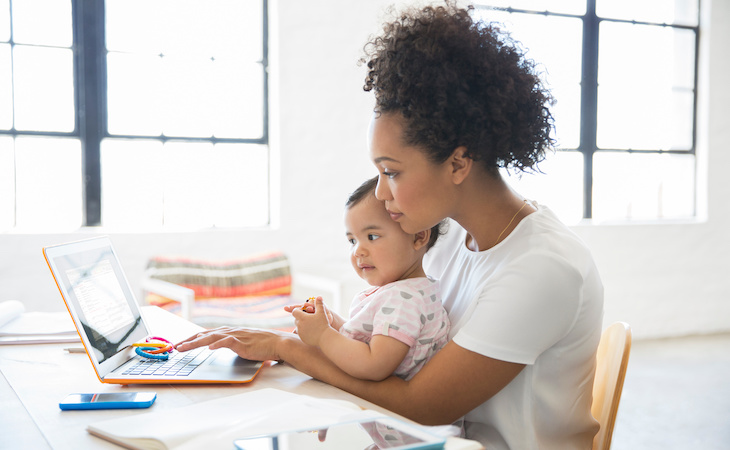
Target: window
x,y
133,114
624,75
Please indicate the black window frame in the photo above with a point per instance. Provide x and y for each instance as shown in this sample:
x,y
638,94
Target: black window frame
x,y
588,145
90,101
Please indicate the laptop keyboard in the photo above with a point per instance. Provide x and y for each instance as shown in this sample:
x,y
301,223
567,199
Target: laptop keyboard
x,y
179,364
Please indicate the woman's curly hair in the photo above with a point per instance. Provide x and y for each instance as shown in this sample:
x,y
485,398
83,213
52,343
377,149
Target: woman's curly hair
x,y
459,82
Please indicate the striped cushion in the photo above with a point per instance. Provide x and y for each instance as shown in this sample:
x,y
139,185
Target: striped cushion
x,y
249,292
264,274
256,312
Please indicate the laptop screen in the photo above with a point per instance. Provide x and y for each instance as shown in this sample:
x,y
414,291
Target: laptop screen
x,y
98,295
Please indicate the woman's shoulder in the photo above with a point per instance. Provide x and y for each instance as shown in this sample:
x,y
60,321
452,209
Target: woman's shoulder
x,y
540,239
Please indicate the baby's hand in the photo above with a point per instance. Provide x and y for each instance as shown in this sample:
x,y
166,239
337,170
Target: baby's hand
x,y
307,306
311,326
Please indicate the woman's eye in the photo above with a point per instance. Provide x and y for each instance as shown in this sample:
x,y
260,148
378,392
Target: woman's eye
x,y
389,174
373,237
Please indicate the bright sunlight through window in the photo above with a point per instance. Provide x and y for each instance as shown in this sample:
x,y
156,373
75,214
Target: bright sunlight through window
x,y
169,132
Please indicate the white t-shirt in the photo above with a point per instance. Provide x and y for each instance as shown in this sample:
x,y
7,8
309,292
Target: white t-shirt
x,y
535,298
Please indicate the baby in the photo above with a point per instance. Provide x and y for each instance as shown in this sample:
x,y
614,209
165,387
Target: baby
x,y
399,323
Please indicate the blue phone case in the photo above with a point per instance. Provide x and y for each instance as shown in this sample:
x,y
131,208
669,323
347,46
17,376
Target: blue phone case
x,y
73,403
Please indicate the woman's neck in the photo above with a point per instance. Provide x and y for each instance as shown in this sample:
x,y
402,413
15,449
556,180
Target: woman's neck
x,y
489,210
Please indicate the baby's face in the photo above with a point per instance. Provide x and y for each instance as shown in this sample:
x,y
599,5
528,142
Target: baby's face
x,y
380,251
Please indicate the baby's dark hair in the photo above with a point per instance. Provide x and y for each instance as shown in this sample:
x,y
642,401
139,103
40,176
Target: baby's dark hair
x,y
459,82
368,188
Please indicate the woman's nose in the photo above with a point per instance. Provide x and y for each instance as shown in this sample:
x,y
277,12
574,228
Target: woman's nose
x,y
382,192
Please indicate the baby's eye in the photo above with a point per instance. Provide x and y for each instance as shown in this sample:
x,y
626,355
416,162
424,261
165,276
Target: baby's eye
x,y
373,237
351,241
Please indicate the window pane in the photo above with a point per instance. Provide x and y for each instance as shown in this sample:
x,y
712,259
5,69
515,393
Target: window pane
x,y
213,29
643,186
6,88
559,186
679,12
134,94
222,185
137,204
198,98
235,28
7,183
189,192
48,175
642,95
42,22
559,6
238,106
44,90
195,66
554,43
129,31
4,20
194,28
187,103
197,185
242,197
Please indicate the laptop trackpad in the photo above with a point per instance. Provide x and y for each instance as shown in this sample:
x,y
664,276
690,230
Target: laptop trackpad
x,y
228,358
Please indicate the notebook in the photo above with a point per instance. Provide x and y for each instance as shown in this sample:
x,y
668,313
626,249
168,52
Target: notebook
x,y
108,319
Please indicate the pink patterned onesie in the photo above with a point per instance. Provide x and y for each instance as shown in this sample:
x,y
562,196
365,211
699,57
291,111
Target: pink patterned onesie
x,y
408,310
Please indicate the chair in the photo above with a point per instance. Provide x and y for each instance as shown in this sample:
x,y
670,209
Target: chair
x,y
612,359
251,291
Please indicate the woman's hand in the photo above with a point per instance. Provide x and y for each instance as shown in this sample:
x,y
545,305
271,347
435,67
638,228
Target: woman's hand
x,y
249,343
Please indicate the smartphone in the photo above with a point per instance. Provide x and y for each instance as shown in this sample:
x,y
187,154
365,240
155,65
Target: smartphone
x,y
381,433
108,400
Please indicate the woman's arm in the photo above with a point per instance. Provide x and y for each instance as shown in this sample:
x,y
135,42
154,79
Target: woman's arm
x,y
453,383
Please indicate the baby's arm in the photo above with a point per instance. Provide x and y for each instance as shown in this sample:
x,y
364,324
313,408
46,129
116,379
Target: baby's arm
x,y
375,361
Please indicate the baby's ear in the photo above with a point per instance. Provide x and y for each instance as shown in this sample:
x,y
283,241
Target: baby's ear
x,y
421,239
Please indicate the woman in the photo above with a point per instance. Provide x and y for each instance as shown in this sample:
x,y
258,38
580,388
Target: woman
x,y
455,101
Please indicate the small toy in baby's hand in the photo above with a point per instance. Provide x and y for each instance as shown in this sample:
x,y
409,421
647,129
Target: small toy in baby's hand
x,y
308,302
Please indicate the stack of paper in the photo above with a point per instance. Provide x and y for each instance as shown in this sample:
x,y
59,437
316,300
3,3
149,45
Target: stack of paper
x,y
20,327
216,424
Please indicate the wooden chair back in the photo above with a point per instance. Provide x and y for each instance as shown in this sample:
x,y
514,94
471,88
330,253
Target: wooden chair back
x,y
612,359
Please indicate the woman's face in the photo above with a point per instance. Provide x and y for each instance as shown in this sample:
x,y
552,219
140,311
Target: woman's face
x,y
415,190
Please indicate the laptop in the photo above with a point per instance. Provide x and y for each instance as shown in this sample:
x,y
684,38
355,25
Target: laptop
x,y
108,320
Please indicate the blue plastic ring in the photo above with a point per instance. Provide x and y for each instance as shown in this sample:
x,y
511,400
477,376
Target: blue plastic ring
x,y
141,352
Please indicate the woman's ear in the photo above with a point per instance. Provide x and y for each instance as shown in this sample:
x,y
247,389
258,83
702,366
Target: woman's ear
x,y
421,239
460,164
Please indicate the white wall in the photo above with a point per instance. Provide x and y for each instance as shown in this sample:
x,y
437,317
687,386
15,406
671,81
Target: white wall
x,y
664,279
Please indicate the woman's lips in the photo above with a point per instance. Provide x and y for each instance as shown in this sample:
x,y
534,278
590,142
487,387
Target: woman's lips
x,y
395,216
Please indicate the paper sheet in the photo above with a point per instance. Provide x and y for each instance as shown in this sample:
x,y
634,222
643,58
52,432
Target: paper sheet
x,y
19,327
10,310
39,323
215,424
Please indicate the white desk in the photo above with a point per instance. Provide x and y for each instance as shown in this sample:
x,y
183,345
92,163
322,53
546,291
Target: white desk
x,y
34,378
